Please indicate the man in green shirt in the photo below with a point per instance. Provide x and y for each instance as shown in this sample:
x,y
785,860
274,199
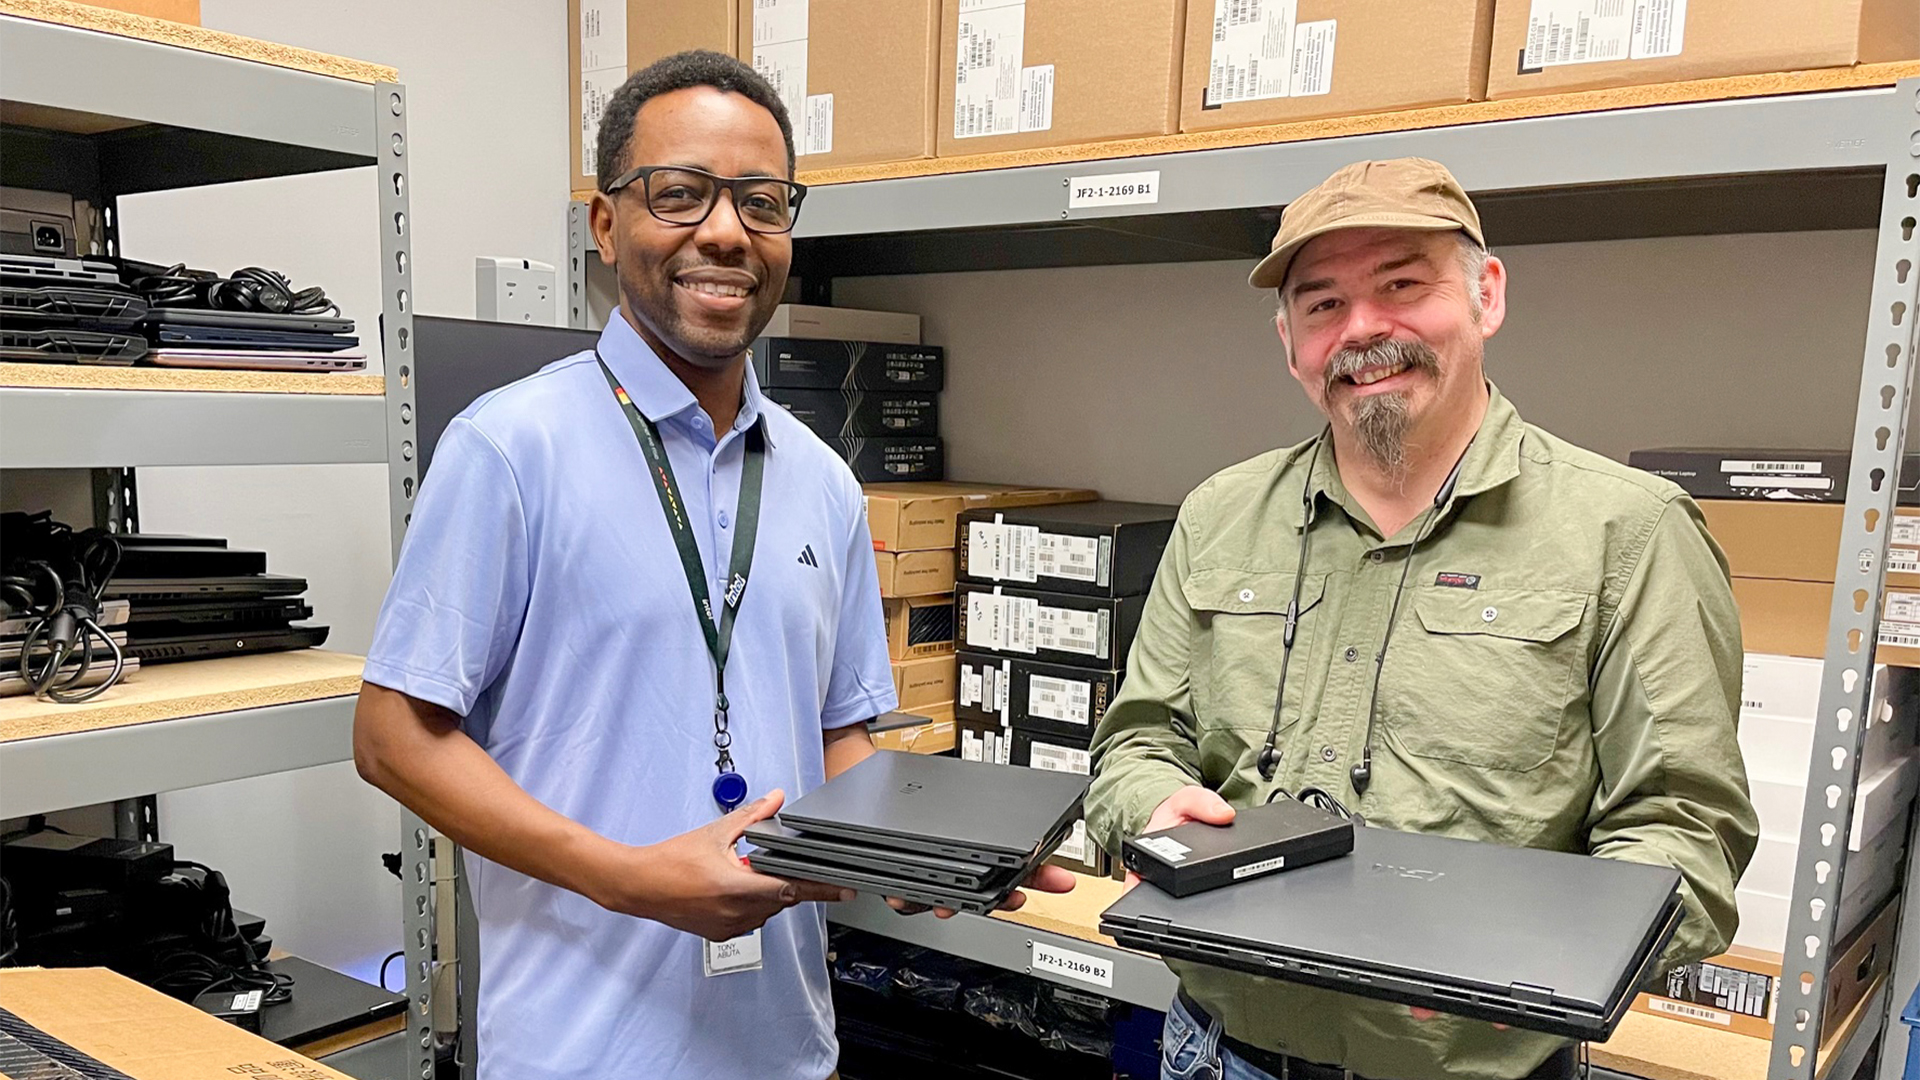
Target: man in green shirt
x,y
1497,635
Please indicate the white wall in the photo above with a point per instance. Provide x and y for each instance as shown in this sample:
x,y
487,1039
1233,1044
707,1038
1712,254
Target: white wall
x,y
487,127
1143,380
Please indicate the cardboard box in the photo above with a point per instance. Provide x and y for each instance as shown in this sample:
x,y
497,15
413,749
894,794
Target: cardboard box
x,y
180,11
1057,753
1790,618
1800,541
1057,628
1881,805
1739,991
1030,73
833,414
1094,549
924,681
607,40
1252,65
140,1031
914,458
1743,473
843,324
1554,46
918,626
857,77
920,517
1051,698
984,740
817,364
915,573
929,729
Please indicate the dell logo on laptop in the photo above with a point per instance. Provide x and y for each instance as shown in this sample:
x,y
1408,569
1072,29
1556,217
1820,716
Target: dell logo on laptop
x,y
1408,872
911,788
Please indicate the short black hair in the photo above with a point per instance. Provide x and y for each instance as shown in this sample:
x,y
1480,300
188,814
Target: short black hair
x,y
681,71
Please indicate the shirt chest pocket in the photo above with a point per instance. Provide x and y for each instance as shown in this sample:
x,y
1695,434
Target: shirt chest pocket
x,y
1235,670
1486,678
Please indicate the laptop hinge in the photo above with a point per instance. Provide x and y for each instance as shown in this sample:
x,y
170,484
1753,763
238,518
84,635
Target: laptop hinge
x,y
1532,995
1161,919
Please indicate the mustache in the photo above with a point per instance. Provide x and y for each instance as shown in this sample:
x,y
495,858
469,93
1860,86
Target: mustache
x,y
1348,362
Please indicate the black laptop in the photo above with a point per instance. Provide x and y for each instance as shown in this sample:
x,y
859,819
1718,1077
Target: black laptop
x,y
146,590
974,811
324,1002
208,646
1539,940
235,337
932,869
222,614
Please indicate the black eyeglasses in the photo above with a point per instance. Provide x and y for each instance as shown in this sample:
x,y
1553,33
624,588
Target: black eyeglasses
x,y
681,196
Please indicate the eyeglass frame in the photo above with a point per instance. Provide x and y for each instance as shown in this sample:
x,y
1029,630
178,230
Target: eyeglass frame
x,y
644,174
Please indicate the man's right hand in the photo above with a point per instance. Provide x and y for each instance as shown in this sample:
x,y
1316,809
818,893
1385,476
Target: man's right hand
x,y
1190,803
697,883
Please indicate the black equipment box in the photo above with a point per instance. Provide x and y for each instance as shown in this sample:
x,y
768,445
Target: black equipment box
x,y
833,414
820,364
1055,628
1022,693
1195,857
1809,475
1093,549
910,458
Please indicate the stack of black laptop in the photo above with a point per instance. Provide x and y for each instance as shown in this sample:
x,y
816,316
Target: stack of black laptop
x,y
937,831
254,319
195,598
69,311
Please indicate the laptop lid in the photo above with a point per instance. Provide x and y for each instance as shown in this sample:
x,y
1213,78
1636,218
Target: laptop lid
x,y
1446,912
138,589
911,801
908,864
153,650
324,1002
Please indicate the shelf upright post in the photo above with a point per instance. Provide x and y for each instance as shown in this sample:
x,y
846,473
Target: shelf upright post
x,y
1846,681
396,341
579,249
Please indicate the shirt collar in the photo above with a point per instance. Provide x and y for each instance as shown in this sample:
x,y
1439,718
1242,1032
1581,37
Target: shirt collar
x,y
656,391
1493,458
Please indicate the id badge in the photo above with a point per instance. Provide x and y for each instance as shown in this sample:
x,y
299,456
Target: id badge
x,y
735,955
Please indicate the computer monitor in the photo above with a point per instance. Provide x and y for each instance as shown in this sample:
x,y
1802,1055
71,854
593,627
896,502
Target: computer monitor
x,y
457,360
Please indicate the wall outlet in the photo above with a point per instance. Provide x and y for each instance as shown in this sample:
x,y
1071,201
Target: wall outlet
x,y
514,290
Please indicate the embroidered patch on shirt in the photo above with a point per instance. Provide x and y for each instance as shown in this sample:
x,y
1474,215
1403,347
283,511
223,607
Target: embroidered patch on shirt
x,y
1457,581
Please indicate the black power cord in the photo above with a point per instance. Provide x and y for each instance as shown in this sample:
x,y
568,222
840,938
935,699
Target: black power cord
x,y
214,955
250,288
1319,799
57,577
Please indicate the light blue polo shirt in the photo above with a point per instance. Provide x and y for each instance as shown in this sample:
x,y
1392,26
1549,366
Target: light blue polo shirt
x,y
539,595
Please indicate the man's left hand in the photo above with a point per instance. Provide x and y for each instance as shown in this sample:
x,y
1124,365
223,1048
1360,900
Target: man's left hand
x,y
1052,879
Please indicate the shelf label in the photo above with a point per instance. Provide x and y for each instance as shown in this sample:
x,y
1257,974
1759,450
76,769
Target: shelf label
x,y
1069,964
1113,189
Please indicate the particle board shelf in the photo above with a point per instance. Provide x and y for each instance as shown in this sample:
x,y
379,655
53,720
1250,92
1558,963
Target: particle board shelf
x,y
1074,914
175,726
199,38
195,688
103,377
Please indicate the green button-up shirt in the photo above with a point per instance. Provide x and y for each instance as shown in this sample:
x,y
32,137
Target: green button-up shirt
x,y
1564,674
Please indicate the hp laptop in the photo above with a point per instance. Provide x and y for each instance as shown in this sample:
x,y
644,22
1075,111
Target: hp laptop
x,y
900,864
1474,929
993,815
992,893
160,650
147,590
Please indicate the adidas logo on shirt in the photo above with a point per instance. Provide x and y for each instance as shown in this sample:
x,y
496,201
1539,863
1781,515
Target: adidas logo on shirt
x,y
807,559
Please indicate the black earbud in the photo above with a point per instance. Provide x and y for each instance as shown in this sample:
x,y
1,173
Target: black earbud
x,y
1269,760
1362,775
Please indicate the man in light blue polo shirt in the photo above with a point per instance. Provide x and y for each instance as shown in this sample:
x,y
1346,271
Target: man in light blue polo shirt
x,y
542,684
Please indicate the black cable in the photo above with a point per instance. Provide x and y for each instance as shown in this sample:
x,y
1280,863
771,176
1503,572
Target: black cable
x,y
391,957
219,957
65,608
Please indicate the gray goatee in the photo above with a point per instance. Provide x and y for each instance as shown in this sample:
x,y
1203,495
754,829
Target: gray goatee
x,y
1380,421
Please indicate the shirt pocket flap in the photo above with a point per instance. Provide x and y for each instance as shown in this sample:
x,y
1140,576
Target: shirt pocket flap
x,y
1540,615
1224,590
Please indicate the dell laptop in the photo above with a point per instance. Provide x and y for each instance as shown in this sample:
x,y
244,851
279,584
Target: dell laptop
x,y
1475,929
989,896
160,650
974,811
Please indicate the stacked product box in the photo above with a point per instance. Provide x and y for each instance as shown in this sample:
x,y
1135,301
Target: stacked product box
x,y
863,382
913,528
1048,603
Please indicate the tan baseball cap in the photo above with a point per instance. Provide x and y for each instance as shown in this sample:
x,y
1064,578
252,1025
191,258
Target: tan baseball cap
x,y
1404,193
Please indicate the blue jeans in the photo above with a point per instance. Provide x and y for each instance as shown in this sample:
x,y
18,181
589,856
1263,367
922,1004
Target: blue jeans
x,y
1190,1050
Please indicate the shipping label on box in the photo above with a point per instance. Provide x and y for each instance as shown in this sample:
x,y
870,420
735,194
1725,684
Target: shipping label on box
x,y
1587,31
1261,50
994,93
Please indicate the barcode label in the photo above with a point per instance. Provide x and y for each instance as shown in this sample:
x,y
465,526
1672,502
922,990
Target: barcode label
x,y
1590,31
1067,759
972,691
1906,530
1076,558
989,69
1066,630
1253,50
1695,1012
1771,468
1066,701
1901,607
1075,845
1907,637
1003,623
1903,560
999,552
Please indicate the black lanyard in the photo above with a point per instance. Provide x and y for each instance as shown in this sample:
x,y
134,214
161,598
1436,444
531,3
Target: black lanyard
x,y
729,789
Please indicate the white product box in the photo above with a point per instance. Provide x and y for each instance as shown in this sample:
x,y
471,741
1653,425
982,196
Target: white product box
x,y
1872,876
843,324
1881,799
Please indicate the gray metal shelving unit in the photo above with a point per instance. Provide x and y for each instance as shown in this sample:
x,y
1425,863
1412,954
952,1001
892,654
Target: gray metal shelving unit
x,y
1843,159
145,117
